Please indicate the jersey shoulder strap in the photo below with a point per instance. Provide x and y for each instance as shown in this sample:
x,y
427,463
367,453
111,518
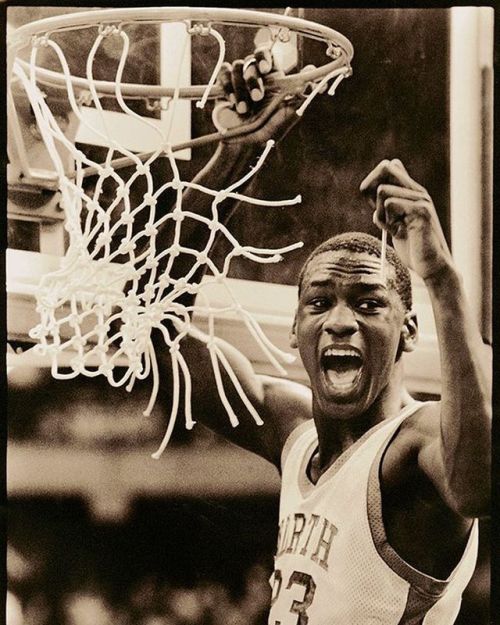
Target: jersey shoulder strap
x,y
293,437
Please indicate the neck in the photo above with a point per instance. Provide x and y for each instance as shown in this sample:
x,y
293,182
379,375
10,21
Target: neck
x,y
336,435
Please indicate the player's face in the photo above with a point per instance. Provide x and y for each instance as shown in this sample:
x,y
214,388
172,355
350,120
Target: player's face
x,y
349,330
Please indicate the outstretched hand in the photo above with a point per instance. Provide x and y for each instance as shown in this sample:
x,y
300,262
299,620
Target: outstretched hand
x,y
248,101
405,209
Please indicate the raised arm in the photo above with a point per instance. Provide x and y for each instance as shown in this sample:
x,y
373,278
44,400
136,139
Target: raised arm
x,y
455,451
233,158
281,404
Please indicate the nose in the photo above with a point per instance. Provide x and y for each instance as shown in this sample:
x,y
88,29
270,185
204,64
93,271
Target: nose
x,y
341,321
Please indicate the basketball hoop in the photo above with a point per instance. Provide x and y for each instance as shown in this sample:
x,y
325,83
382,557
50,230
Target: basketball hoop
x,y
82,304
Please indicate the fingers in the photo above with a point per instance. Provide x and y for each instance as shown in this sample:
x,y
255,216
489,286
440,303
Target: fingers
x,y
397,163
388,172
239,88
226,83
253,80
387,192
263,115
233,84
264,59
391,216
396,207
243,81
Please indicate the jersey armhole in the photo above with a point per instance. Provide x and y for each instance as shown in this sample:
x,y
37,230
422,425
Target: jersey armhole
x,y
292,438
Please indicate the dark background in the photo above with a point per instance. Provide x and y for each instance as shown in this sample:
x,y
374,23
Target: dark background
x,y
395,105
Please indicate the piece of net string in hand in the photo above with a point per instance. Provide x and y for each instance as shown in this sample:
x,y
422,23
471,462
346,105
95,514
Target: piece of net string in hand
x,y
110,327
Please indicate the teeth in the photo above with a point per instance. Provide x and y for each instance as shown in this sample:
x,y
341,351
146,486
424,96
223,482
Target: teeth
x,y
341,352
342,367
341,386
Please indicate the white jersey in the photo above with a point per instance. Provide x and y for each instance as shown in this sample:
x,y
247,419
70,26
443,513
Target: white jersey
x,y
334,565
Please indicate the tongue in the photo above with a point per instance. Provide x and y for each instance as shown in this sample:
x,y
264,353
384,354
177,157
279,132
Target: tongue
x,y
342,370
342,375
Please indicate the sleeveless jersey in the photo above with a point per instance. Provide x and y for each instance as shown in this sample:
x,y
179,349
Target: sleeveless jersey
x,y
334,565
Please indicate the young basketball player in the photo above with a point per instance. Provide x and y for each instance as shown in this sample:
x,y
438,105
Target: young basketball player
x,y
380,493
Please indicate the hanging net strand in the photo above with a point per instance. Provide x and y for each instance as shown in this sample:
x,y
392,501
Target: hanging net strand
x,y
383,255
121,283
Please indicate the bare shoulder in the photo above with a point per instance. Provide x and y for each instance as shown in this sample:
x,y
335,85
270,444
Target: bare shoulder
x,y
283,406
420,523
416,433
287,403
284,394
423,423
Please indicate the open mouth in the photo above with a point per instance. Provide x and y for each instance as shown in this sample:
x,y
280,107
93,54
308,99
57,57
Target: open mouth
x,y
342,367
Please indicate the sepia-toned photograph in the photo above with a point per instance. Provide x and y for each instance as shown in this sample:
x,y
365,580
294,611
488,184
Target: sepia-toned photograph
x,y
248,315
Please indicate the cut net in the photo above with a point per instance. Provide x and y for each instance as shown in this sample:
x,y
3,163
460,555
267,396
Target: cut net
x,y
114,286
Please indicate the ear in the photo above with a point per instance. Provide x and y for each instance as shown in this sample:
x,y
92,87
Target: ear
x,y
292,337
409,332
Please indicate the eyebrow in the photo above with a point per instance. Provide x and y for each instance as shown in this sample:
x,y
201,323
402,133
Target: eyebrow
x,y
358,284
379,286
325,282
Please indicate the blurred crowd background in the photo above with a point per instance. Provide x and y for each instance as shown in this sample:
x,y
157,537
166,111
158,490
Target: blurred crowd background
x,y
150,601
169,561
112,585
199,559
178,562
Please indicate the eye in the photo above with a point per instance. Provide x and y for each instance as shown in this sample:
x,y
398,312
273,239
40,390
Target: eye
x,y
319,303
369,305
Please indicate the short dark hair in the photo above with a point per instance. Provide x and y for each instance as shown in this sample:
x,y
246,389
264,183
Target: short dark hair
x,y
362,242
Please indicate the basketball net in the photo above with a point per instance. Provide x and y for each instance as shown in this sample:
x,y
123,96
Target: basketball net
x,y
84,307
